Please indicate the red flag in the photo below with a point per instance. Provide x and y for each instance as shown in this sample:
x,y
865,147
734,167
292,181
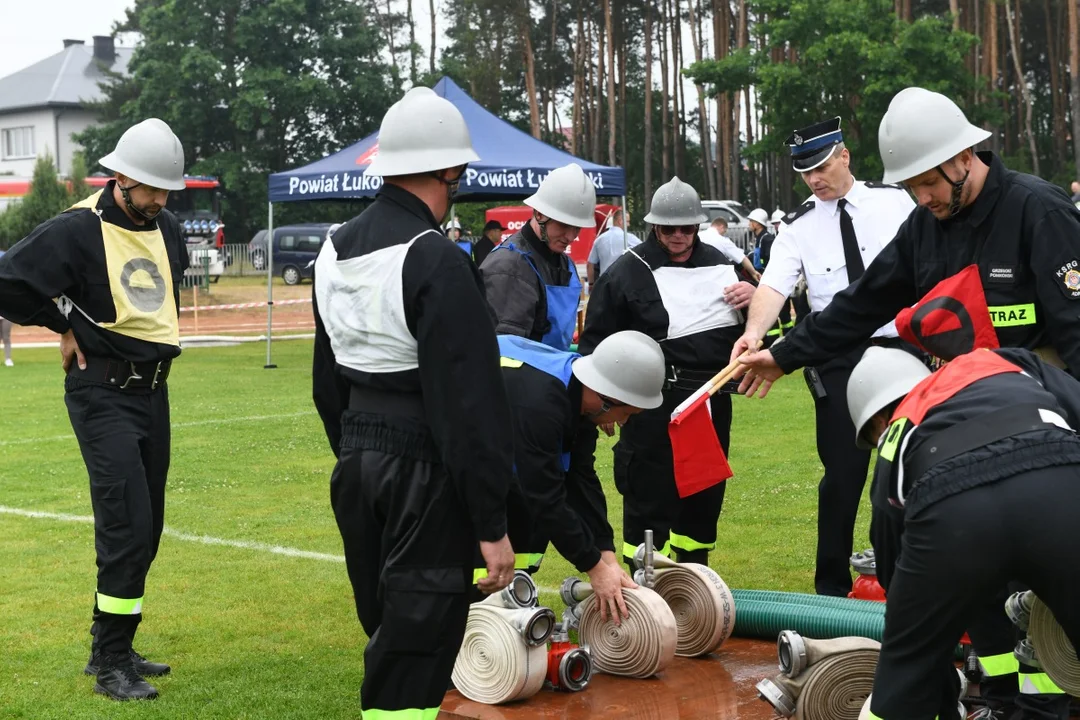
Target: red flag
x,y
952,319
699,459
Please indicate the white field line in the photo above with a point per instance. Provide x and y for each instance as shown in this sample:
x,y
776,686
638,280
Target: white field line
x,y
202,539
190,423
187,537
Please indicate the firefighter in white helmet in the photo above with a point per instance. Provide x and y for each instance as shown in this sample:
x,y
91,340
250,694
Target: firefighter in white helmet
x,y
114,263
685,294
977,485
555,396
406,380
531,283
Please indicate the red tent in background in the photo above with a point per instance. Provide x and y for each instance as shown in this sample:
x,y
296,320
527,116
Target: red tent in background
x,y
514,217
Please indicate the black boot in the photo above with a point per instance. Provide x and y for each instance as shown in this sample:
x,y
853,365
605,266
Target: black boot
x,y
118,679
143,666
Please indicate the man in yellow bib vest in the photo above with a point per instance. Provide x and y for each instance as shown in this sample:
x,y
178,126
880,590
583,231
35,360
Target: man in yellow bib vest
x,y
105,276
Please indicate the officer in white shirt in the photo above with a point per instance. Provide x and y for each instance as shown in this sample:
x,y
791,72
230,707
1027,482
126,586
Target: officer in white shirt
x,y
716,235
831,238
609,245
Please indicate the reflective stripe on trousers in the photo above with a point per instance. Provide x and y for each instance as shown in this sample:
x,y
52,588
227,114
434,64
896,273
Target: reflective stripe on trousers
x,y
522,561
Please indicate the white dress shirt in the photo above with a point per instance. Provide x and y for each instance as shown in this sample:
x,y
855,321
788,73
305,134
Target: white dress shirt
x,y
712,236
609,245
809,242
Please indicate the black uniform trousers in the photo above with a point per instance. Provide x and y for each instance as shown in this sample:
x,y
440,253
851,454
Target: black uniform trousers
x,y
840,490
124,437
1019,529
645,476
408,551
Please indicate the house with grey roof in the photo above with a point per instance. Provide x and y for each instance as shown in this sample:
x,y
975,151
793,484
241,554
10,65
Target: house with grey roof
x,y
41,106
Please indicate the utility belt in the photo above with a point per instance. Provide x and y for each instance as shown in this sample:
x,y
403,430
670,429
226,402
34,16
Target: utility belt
x,y
122,374
676,378
384,402
978,432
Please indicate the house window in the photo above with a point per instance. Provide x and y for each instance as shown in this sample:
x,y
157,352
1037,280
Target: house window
x,y
17,143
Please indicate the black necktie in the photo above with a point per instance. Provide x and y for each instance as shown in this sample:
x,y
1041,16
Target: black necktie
x,y
852,257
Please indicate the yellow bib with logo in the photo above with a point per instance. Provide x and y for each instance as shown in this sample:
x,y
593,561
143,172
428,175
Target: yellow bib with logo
x,y
140,280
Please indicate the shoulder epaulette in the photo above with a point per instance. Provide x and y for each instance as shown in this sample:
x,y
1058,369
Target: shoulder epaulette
x,y
878,185
798,212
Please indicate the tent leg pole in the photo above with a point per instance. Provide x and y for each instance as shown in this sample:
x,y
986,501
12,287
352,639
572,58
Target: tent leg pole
x,y
269,282
625,240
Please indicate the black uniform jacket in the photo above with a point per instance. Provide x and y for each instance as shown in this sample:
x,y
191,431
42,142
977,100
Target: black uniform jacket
x,y
514,291
566,507
66,256
626,298
1023,233
458,376
1046,386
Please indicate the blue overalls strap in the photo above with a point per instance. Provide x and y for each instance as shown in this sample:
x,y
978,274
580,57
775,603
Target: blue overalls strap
x,y
465,246
562,302
545,358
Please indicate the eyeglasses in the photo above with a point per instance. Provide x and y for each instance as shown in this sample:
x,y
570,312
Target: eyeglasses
x,y
607,404
680,229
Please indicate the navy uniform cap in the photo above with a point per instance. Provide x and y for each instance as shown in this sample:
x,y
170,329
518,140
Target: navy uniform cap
x,y
812,146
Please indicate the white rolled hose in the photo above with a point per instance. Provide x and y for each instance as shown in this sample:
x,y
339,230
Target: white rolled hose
x,y
702,604
503,656
641,646
1054,650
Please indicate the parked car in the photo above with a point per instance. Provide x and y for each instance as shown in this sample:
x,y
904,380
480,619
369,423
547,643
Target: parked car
x,y
295,247
733,211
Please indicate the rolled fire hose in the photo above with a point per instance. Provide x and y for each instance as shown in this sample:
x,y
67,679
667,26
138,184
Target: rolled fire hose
x,y
848,665
503,656
1055,651
702,605
641,646
838,686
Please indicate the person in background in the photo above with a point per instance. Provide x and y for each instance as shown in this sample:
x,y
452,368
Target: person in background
x,y
1075,189
609,245
685,295
831,238
716,235
763,239
531,284
777,216
487,242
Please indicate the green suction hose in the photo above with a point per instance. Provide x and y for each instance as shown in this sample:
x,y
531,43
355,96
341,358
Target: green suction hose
x,y
766,619
790,598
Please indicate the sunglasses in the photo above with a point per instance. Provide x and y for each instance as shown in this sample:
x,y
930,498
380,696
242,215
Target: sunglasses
x,y
680,229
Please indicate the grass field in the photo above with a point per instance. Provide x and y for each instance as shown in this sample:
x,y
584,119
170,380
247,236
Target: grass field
x,y
256,634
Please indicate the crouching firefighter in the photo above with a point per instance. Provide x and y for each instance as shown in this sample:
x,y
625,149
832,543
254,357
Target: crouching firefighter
x,y
114,262
554,396
406,381
685,294
977,485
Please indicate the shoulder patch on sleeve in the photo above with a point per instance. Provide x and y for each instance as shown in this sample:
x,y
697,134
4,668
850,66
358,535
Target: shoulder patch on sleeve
x,y
878,185
1068,279
798,212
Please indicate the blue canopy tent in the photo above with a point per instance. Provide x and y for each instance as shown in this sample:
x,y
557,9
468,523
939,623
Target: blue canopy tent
x,y
512,164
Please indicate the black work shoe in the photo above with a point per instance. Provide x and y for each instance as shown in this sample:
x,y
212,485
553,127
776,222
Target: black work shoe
x,y
118,679
142,666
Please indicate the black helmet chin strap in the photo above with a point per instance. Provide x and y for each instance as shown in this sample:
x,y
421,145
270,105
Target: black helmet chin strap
x,y
130,205
957,189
